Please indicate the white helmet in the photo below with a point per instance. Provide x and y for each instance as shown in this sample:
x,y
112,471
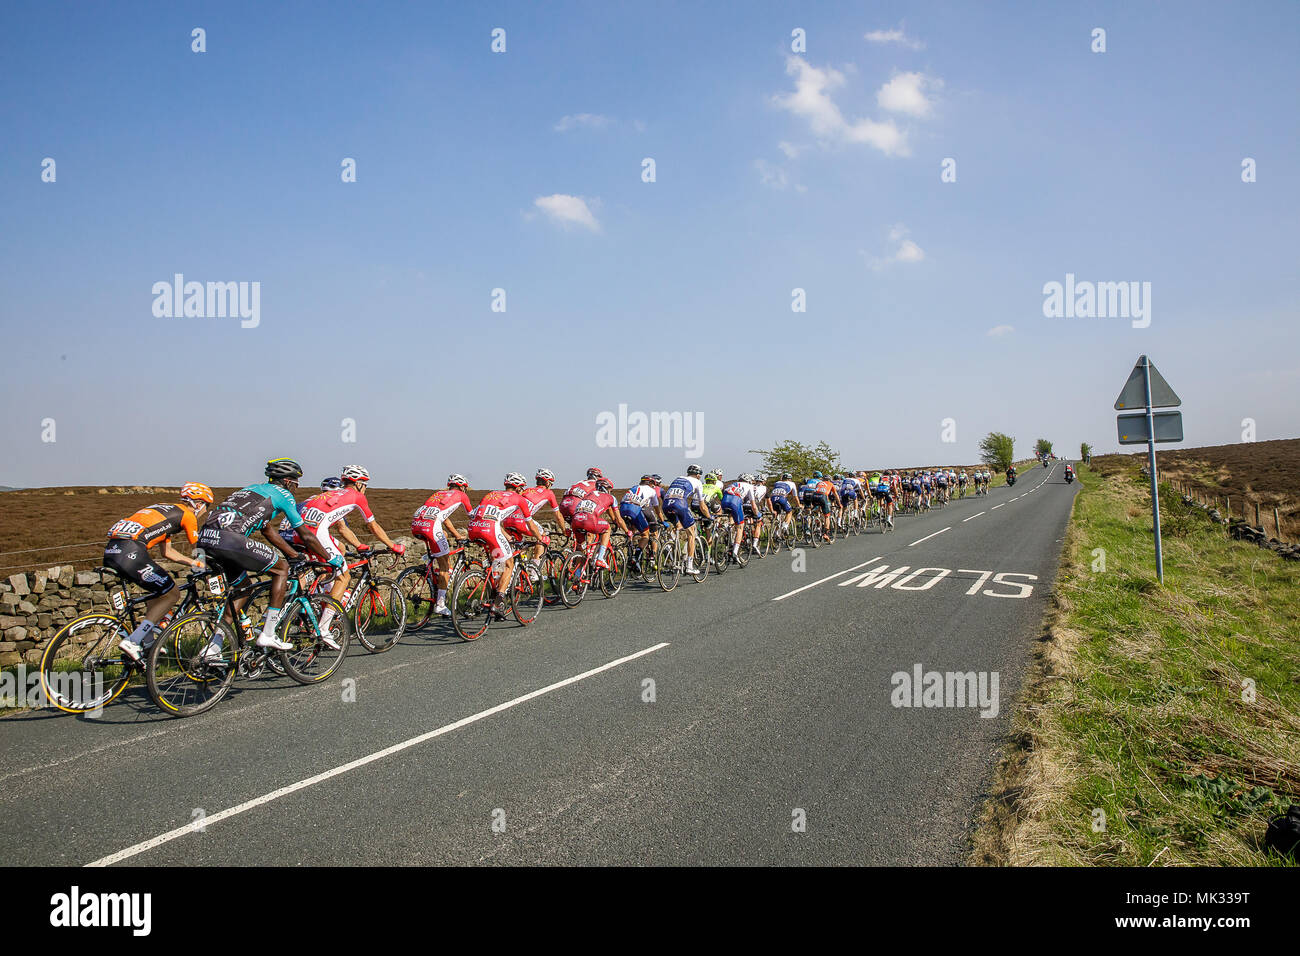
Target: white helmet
x,y
354,473
457,480
515,480
545,474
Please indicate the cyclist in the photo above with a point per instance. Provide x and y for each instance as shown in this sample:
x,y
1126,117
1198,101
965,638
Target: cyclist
x,y
589,518
849,490
498,523
941,485
541,494
884,493
326,510
226,540
645,496
827,489
575,494
783,492
432,524
127,553
760,493
678,498
738,496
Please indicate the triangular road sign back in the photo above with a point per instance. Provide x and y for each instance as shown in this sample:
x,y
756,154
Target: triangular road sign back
x,y
1134,394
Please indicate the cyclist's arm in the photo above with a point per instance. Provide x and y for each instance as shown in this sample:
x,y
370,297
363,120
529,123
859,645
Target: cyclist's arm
x,y
171,554
379,533
346,534
451,530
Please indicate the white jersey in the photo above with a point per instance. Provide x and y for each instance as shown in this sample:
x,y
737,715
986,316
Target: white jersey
x,y
783,489
687,489
643,496
742,490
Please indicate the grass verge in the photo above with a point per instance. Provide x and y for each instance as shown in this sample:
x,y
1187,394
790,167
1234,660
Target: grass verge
x,y
1159,724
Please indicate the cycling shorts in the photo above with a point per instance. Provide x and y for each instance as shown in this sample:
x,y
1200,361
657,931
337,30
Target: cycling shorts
x,y
234,553
634,516
493,537
436,541
131,559
734,507
677,512
780,503
593,524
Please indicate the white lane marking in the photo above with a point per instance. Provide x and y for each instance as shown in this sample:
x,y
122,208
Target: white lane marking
x,y
824,580
929,536
996,507
964,520
361,762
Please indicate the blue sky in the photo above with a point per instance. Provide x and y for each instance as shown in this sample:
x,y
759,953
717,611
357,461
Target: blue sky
x,y
774,170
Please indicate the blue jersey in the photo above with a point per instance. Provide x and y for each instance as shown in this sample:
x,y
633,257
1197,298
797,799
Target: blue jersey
x,y
783,488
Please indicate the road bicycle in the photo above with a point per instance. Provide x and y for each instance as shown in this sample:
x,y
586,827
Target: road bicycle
x,y
785,531
580,569
186,678
375,604
672,556
419,587
84,655
472,593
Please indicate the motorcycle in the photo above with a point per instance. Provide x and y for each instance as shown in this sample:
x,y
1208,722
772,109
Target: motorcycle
x,y
1069,477
1011,480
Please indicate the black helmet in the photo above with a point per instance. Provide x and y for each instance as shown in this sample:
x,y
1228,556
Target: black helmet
x,y
693,470
283,468
785,476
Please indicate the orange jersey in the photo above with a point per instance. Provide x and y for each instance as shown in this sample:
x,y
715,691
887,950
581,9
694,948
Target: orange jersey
x,y
157,523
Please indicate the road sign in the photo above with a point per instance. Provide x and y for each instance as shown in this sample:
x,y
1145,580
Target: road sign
x,y
1133,427
1134,394
1147,389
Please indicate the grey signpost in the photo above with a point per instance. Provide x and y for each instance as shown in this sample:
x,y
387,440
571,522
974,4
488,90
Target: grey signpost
x,y
1146,388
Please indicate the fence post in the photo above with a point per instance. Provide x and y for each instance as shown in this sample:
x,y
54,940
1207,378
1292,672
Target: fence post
x,y
1277,525
1257,524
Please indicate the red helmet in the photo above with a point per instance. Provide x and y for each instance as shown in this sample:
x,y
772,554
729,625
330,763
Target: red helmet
x,y
593,472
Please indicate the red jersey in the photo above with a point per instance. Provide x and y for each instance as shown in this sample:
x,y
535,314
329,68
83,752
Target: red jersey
x,y
596,504
582,489
538,496
329,507
442,504
498,506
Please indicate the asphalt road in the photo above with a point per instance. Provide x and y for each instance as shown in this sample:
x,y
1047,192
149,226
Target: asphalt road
x,y
767,735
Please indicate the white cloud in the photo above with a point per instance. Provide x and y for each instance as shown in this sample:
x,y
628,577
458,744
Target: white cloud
x,y
907,251
1000,330
905,93
894,36
811,100
770,175
567,211
588,120
790,149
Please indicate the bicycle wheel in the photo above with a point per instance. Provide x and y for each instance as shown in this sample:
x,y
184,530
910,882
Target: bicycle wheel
x,y
311,660
527,592
381,616
82,668
613,577
739,555
471,607
667,569
418,595
574,579
552,567
719,550
182,681
701,559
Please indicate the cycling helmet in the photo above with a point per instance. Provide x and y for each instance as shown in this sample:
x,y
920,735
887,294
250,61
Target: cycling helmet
x,y
785,476
354,473
331,484
283,468
647,479
457,481
604,484
817,474
693,470
515,480
593,472
196,491
545,474
657,479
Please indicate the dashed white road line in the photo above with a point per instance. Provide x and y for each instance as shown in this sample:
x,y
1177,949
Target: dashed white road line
x,y
929,536
972,517
996,507
824,580
360,762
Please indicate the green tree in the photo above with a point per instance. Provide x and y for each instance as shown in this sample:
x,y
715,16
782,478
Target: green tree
x,y
1085,452
1042,447
798,459
998,451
